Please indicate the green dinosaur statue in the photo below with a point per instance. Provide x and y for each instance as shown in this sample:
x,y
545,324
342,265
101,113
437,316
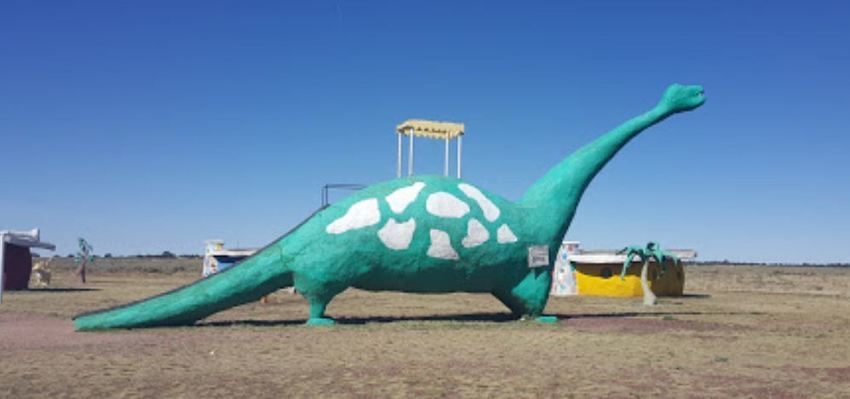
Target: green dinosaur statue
x,y
425,234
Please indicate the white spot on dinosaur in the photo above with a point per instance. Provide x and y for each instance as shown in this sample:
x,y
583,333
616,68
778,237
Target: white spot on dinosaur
x,y
397,235
476,234
445,205
401,198
361,214
441,246
491,211
504,235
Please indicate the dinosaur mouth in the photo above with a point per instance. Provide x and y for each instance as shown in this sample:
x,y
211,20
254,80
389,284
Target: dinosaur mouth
x,y
700,96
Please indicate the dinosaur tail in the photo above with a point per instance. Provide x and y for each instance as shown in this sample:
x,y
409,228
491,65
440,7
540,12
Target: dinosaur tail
x,y
251,279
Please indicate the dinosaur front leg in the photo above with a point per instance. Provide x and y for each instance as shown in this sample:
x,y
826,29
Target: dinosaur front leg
x,y
512,302
528,297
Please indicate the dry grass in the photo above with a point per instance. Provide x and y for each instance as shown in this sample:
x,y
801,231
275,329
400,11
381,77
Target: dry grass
x,y
744,332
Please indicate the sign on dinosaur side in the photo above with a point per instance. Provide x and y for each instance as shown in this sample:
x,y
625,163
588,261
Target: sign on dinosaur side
x,y
426,234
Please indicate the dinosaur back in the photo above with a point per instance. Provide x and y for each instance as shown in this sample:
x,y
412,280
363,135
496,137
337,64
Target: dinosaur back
x,y
421,234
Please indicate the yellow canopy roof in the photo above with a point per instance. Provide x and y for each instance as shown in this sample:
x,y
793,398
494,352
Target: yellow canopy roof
x,y
431,129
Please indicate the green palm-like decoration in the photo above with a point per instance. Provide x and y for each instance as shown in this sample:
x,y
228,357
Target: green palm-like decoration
x,y
651,251
83,257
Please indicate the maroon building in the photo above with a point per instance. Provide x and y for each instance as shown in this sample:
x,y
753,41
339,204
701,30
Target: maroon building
x,y
16,259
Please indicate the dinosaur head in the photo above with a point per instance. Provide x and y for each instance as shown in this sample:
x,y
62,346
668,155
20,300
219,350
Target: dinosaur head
x,y
680,98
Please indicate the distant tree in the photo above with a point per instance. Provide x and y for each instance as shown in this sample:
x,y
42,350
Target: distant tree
x,y
168,254
70,255
107,255
83,257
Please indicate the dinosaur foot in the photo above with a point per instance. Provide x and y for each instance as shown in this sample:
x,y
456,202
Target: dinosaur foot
x,y
320,321
541,319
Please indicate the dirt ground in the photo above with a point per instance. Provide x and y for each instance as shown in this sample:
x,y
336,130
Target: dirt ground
x,y
740,332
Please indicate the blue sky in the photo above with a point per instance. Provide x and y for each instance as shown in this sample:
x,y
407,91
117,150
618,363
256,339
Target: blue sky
x,y
152,126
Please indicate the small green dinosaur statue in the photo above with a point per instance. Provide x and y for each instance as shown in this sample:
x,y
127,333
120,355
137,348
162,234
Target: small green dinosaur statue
x,y
425,234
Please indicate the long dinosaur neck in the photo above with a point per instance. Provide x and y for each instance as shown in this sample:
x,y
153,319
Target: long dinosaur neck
x,y
555,196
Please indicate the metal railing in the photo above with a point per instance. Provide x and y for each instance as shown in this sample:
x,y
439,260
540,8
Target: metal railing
x,y
337,186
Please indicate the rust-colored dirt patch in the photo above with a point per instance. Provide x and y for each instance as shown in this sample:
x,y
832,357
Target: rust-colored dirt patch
x,y
824,374
20,331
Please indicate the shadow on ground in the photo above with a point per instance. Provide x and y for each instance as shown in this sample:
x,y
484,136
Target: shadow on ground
x,y
488,317
56,290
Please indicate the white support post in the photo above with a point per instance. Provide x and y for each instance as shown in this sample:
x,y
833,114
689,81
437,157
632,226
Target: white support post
x,y
398,164
2,263
410,153
446,158
458,156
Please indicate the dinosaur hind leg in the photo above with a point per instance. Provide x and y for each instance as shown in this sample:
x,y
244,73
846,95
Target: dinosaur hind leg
x,y
318,294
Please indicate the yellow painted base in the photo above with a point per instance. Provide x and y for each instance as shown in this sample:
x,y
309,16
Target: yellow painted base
x,y
604,279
